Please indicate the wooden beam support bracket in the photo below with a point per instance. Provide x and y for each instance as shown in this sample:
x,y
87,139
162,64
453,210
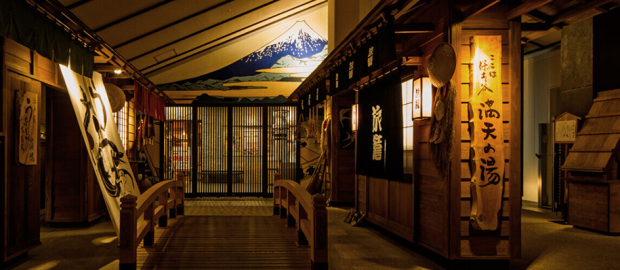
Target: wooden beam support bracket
x,y
414,28
525,8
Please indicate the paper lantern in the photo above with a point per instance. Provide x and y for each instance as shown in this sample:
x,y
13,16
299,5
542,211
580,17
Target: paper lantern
x,y
422,98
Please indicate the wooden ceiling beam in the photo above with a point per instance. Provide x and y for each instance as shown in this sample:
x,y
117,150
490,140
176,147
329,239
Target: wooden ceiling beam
x,y
413,60
525,8
577,10
183,56
104,68
200,12
118,81
538,16
77,4
200,31
135,14
535,27
414,28
477,7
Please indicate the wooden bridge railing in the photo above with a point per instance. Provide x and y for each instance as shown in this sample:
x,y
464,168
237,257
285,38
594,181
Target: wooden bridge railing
x,y
132,207
307,213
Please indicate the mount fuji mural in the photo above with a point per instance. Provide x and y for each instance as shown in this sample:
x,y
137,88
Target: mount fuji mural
x,y
282,63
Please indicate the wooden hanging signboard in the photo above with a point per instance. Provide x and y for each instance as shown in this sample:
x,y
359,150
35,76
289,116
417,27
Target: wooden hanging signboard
x,y
28,121
486,132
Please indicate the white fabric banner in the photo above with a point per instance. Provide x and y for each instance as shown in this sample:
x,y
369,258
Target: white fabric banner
x,y
96,120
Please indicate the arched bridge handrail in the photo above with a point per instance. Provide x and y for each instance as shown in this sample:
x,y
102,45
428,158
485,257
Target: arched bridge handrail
x,y
307,213
171,201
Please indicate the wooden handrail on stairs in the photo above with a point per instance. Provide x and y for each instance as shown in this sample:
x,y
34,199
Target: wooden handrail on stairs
x,y
305,212
132,207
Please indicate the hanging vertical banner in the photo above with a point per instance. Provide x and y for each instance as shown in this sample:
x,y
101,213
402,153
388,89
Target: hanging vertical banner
x,y
105,149
486,131
380,134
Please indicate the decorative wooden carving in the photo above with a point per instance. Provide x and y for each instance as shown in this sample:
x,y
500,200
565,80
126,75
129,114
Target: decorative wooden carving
x,y
486,131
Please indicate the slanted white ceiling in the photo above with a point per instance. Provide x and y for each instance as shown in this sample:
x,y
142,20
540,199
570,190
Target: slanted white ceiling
x,y
170,41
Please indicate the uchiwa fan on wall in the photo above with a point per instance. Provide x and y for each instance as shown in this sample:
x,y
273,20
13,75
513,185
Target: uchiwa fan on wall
x,y
441,66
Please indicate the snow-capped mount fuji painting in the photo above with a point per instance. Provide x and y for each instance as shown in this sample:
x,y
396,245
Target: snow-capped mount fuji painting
x,y
283,62
299,41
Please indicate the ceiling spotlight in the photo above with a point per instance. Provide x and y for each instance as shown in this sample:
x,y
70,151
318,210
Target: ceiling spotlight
x,y
118,71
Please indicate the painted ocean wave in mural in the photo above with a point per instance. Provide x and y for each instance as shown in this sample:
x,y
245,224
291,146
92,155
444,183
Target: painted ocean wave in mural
x,y
285,60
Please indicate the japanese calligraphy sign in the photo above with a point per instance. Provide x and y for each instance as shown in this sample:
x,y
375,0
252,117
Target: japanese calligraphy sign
x,y
28,114
379,139
487,140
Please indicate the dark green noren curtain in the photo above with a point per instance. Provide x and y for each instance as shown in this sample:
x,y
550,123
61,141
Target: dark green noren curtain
x,y
23,23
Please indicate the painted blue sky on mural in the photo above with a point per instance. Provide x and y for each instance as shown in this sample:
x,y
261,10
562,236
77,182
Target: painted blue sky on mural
x,y
288,58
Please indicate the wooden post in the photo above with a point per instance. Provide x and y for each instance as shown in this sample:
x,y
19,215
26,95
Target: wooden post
x,y
291,201
180,190
276,199
303,215
128,229
276,195
173,208
163,201
149,238
318,254
283,193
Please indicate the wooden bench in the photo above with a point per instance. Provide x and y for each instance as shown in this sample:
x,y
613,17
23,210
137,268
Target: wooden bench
x,y
171,198
305,212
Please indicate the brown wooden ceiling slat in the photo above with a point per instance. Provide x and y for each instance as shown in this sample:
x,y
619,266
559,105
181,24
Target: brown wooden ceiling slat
x,y
77,4
138,13
202,30
230,40
170,24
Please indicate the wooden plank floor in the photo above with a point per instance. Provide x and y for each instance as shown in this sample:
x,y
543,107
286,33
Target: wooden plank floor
x,y
225,242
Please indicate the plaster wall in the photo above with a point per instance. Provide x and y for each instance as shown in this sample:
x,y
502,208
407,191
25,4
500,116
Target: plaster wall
x,y
541,73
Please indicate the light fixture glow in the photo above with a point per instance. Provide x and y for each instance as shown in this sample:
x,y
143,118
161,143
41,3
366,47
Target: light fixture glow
x,y
118,71
354,118
422,98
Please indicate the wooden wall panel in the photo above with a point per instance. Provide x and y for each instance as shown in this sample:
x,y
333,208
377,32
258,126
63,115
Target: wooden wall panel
x,y
378,199
400,211
342,160
22,183
17,57
66,162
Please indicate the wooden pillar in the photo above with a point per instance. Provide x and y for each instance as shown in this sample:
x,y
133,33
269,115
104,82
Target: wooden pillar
x,y
303,215
149,238
128,228
180,191
291,201
283,194
276,200
318,253
173,209
163,201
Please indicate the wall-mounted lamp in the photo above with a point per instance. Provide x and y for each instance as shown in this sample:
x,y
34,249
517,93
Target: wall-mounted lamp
x,y
422,98
354,117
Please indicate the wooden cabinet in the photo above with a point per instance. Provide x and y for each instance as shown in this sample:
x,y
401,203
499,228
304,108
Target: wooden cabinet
x,y
594,204
73,193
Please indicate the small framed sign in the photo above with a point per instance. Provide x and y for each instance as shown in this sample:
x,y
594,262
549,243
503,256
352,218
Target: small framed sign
x,y
565,131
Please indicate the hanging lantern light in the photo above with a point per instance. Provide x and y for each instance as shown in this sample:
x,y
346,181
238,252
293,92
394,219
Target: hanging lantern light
x,y
422,98
354,118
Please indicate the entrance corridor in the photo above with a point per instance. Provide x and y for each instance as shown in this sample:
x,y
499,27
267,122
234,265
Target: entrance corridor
x,y
242,233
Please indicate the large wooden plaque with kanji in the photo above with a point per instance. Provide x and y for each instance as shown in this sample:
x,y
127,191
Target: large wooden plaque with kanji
x,y
486,131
